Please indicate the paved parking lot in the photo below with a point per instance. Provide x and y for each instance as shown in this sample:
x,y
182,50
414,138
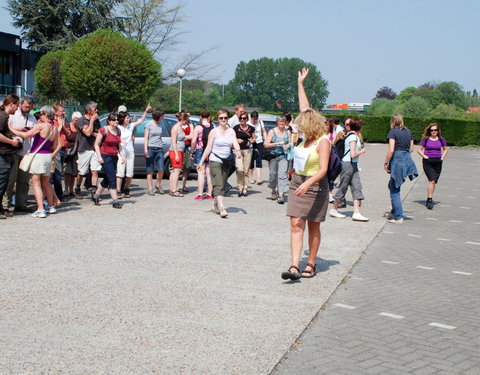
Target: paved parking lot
x,y
165,286
410,306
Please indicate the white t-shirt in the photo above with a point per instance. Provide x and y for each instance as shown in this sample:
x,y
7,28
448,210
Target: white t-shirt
x,y
258,130
19,121
234,120
126,137
351,138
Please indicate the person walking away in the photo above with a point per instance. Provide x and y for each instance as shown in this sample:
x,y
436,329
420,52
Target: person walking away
x,y
8,148
221,140
245,137
433,150
108,150
350,174
20,180
187,154
399,164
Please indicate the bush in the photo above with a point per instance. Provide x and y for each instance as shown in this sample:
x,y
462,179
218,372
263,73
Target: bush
x,y
110,69
48,78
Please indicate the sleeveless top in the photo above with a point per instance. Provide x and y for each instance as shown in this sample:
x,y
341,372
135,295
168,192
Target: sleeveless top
x,y
311,166
38,140
186,131
278,150
222,146
180,141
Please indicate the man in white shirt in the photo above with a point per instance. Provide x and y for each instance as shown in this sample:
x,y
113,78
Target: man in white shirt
x,y
18,179
234,120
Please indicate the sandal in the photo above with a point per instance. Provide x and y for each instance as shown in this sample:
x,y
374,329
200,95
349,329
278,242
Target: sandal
x,y
176,194
291,275
310,273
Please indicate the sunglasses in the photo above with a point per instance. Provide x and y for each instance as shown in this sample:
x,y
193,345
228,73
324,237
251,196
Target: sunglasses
x,y
243,118
434,130
223,118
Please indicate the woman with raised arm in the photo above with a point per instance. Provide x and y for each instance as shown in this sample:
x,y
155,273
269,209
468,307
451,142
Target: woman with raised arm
x,y
127,129
433,149
399,164
308,194
221,140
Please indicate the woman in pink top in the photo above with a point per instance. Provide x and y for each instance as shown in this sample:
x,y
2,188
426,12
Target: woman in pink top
x,y
42,163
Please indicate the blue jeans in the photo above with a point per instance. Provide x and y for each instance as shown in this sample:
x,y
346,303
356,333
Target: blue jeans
x,y
156,157
110,168
396,200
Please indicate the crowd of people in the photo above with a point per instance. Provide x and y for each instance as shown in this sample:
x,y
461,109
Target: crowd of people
x,y
57,156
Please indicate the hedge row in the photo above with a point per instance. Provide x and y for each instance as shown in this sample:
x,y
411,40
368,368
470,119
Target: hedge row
x,y
456,132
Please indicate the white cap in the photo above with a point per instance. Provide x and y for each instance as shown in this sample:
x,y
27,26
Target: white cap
x,y
122,108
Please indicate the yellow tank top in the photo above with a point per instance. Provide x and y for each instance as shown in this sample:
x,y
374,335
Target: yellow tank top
x,y
311,166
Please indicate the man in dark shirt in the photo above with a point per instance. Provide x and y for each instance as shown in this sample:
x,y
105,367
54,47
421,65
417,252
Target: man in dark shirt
x,y
8,147
88,126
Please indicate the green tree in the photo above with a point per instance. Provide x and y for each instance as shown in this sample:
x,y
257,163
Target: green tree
x,y
111,70
430,93
49,25
48,77
452,93
447,111
406,94
382,106
415,107
272,84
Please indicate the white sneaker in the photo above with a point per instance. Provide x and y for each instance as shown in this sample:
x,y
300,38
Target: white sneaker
x,y
223,212
334,213
330,199
52,210
393,221
41,214
359,217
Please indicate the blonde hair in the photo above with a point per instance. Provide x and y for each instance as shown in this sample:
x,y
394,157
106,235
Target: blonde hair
x,y
312,124
396,121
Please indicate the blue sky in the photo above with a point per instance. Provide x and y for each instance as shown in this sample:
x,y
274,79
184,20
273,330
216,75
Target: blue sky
x,y
358,46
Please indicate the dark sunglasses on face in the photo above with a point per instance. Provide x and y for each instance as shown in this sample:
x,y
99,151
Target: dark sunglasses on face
x,y
223,118
434,130
243,118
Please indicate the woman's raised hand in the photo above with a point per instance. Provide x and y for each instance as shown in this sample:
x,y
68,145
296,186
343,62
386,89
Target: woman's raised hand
x,y
302,74
149,107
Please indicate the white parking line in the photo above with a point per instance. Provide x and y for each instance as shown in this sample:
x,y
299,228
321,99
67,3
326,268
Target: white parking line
x,y
389,262
414,235
394,316
432,218
439,325
456,221
342,306
477,223
466,208
473,243
462,273
444,205
470,197
387,232
443,239
425,268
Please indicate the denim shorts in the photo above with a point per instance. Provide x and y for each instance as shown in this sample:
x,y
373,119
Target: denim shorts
x,y
197,156
156,158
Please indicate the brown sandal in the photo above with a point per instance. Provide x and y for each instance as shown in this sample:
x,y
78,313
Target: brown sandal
x,y
176,194
310,273
291,275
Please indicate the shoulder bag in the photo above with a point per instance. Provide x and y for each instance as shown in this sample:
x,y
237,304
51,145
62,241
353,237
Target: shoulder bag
x,y
28,159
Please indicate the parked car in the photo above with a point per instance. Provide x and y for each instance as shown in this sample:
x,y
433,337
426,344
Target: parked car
x,y
169,120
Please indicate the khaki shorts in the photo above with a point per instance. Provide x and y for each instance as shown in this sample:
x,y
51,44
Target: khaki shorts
x,y
41,164
127,166
88,160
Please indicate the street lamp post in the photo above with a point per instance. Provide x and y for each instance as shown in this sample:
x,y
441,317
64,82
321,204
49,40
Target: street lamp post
x,y
180,74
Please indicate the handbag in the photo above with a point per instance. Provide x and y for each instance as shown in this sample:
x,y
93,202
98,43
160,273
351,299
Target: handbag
x,y
27,160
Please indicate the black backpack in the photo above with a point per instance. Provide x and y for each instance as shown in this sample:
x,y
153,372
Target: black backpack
x,y
340,147
205,132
